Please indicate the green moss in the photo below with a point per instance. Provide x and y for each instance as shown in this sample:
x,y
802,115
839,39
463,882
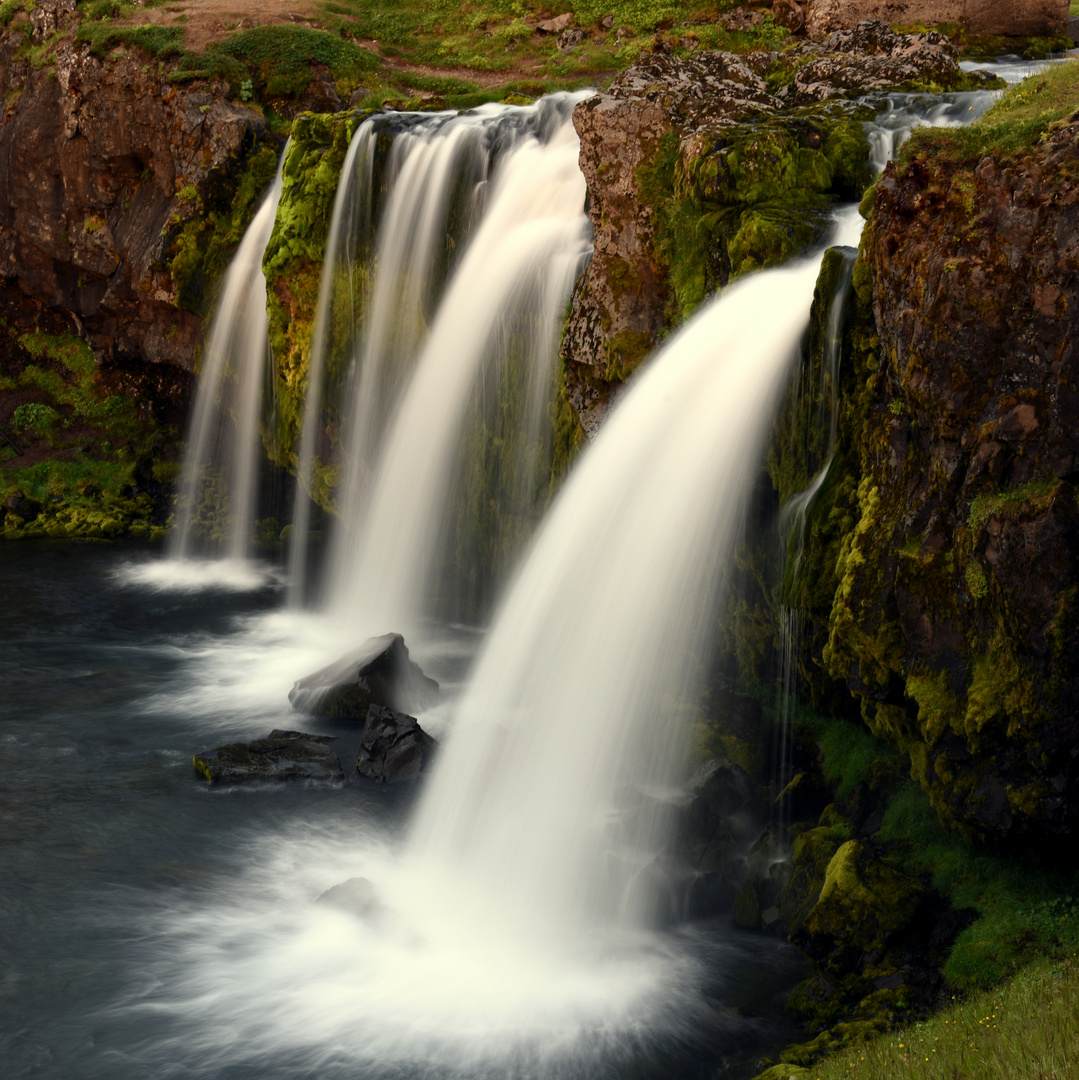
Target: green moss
x,y
1011,129
83,488
199,252
293,268
1029,499
758,195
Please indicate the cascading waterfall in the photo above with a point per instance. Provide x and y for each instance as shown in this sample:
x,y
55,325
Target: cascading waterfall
x,y
223,443
592,654
215,508
491,203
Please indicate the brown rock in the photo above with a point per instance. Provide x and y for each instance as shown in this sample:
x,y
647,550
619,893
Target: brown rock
x,y
1016,17
556,25
94,156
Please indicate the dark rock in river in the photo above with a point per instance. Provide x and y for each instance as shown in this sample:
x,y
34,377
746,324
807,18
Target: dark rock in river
x,y
379,672
282,755
393,748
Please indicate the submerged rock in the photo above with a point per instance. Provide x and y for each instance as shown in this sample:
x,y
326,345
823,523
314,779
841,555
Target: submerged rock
x,y
393,748
379,672
282,755
357,896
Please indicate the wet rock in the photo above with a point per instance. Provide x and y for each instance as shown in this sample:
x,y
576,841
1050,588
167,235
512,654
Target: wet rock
x,y
282,755
714,830
379,672
862,904
393,748
692,109
357,896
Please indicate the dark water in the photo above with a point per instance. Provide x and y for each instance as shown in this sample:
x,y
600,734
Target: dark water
x,y
129,890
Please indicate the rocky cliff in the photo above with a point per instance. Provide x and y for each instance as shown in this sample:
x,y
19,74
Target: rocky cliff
x,y
943,553
122,194
704,167
1016,18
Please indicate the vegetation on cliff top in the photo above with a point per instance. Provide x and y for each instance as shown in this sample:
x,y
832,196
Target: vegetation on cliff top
x,y
1010,130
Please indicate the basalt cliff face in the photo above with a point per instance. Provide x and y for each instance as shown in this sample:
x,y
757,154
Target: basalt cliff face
x,y
103,161
705,167
954,618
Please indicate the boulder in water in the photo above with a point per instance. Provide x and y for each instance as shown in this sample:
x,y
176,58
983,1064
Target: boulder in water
x,y
393,748
282,755
379,672
357,896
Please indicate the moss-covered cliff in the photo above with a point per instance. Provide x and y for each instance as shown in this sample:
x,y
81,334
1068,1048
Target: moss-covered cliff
x,y
941,555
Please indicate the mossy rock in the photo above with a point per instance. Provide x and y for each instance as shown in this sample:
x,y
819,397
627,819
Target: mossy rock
x,y
862,904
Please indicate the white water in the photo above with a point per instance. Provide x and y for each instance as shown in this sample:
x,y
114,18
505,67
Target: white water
x,y
512,174
515,933
220,469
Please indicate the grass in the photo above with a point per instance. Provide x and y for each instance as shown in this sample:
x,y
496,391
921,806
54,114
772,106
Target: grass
x,y
1011,129
496,40
92,436
1026,1029
1023,910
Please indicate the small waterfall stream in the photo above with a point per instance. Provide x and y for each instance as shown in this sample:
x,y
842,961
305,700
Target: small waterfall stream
x,y
482,235
223,443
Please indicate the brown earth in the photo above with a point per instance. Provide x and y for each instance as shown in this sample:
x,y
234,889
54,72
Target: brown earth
x,y
210,21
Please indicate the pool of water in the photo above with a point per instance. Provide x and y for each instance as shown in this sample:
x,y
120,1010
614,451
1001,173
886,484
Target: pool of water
x,y
153,927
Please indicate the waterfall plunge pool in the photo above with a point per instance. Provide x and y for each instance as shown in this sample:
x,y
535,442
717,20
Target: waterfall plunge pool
x,y
155,928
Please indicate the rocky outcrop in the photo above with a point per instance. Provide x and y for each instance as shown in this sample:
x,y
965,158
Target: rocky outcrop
x,y
394,748
689,184
103,162
281,756
944,548
379,672
1017,18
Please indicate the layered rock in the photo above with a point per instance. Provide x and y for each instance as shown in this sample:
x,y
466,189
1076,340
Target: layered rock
x,y
103,162
281,756
944,547
687,188
1017,18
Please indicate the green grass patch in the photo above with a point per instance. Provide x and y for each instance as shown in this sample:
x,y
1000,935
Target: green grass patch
x,y
1012,128
1027,1029
159,41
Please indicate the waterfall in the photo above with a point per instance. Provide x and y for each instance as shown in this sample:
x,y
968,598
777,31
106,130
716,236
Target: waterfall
x,y
482,235
577,692
215,507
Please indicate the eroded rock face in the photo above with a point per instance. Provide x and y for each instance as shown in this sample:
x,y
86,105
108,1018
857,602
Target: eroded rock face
x,y
1017,18
100,161
691,110
281,756
379,672
394,748
955,618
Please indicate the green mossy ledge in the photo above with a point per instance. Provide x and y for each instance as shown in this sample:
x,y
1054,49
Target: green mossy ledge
x,y
293,268
940,566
